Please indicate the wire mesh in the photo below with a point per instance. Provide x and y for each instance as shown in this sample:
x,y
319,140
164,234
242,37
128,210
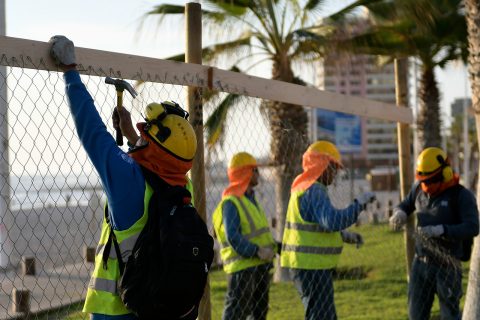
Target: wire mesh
x,y
54,206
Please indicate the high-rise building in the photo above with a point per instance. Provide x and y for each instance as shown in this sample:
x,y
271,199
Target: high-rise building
x,y
457,110
361,75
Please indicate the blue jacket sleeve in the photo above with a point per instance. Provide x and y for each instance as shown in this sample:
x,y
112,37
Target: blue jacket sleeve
x,y
315,206
231,221
121,177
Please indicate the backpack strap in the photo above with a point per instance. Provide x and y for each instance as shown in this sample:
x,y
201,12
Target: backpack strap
x,y
108,246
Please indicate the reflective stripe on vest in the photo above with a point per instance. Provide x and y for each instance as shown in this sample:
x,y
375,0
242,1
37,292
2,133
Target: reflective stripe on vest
x,y
250,236
253,226
308,245
103,285
313,250
305,227
102,295
126,247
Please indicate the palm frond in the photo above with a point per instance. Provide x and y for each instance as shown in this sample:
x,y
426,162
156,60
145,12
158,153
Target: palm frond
x,y
164,9
344,13
312,5
227,48
216,123
232,8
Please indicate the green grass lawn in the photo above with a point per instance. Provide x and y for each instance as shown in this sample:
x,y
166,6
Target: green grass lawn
x,y
371,283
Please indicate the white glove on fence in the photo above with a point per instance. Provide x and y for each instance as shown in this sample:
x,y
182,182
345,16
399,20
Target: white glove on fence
x,y
398,219
62,51
265,253
431,231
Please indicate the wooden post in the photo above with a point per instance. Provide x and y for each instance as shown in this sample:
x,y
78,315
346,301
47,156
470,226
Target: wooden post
x,y
404,154
471,310
193,18
20,300
28,266
5,214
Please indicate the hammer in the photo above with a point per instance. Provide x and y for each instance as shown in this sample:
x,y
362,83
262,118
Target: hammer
x,y
120,85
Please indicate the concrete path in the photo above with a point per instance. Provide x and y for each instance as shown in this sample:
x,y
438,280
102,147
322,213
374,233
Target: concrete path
x,y
50,289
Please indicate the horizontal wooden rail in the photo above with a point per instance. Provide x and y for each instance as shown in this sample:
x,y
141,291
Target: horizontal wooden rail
x,y
15,52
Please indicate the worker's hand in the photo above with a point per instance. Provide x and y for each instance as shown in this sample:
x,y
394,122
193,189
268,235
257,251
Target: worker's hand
x,y
122,119
63,52
431,231
366,198
265,253
398,219
352,238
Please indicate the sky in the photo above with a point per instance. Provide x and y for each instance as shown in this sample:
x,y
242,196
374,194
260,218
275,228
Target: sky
x,y
113,25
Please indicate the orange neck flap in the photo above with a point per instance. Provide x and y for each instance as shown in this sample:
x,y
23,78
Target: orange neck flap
x,y
171,169
314,164
239,180
434,189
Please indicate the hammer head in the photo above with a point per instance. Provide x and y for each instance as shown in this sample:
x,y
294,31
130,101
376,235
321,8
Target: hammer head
x,y
121,85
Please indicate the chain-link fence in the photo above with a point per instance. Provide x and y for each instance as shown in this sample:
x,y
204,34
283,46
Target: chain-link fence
x,y
54,201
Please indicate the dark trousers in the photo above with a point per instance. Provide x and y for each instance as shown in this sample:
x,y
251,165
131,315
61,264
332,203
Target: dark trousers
x,y
428,279
316,291
247,294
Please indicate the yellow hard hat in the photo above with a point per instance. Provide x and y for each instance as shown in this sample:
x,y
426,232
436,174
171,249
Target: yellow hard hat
x,y
327,148
168,126
242,159
429,163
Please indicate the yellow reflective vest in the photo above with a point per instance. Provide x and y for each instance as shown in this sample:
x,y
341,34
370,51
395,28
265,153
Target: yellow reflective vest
x,y
308,245
189,187
102,294
253,226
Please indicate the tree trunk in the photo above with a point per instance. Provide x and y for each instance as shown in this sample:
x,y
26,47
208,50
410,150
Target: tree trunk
x,y
472,305
429,115
288,126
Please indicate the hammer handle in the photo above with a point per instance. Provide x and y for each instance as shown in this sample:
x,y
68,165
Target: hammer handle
x,y
119,135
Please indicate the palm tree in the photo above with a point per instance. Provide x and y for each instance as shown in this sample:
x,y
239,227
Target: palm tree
x,y
281,32
431,30
472,14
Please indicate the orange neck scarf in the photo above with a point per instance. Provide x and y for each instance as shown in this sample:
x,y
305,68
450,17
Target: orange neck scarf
x,y
434,189
239,180
153,157
314,164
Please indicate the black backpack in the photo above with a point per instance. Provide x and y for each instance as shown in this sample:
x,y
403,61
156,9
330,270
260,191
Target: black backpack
x,y
165,275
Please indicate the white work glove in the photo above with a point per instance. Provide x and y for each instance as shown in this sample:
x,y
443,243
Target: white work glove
x,y
431,231
265,253
62,51
398,219
352,238
366,198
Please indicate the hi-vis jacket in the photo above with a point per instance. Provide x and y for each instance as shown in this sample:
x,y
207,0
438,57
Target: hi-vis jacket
x,y
308,245
102,295
254,227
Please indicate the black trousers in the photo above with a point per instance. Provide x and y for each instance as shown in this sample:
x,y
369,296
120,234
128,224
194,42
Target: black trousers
x,y
247,294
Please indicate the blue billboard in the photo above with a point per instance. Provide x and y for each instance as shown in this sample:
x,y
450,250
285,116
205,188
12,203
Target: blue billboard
x,y
345,130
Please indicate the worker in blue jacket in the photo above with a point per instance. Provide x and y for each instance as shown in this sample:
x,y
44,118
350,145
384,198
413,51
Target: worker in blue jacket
x,y
247,244
447,215
121,173
315,230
